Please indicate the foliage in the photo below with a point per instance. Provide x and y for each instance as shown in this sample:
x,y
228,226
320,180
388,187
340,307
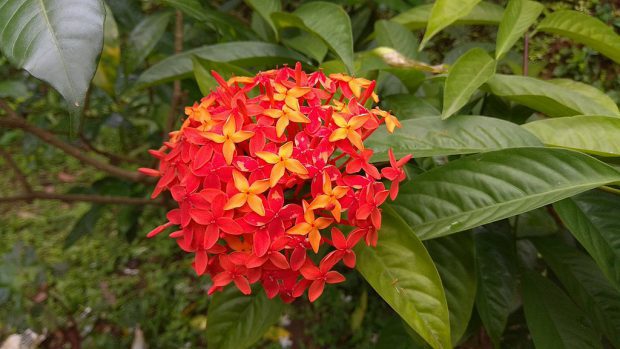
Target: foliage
x,y
504,235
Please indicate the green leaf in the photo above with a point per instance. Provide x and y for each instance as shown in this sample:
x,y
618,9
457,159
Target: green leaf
x,y
406,106
484,13
265,8
589,91
467,74
585,284
496,269
584,29
518,17
57,42
105,75
444,13
13,88
396,36
84,226
236,321
462,134
592,218
454,259
202,71
487,187
298,37
553,319
400,269
544,96
243,53
598,135
143,39
331,23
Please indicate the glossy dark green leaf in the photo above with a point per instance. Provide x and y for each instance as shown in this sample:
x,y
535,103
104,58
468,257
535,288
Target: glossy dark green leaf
x,y
546,97
202,72
242,53
143,39
396,36
518,17
555,322
454,259
467,74
444,13
484,13
84,226
592,218
462,134
487,187
585,284
584,29
598,135
331,23
236,321
400,269
496,270
55,41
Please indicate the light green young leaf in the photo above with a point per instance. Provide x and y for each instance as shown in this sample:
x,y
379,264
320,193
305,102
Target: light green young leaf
x,y
496,269
444,13
518,17
237,321
202,72
143,39
584,29
454,259
585,284
592,218
55,41
484,13
243,53
331,23
265,8
396,36
401,271
598,135
467,74
487,187
462,134
546,97
553,319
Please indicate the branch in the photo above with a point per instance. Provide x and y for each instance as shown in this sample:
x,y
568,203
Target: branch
x,y
99,199
176,88
12,120
19,175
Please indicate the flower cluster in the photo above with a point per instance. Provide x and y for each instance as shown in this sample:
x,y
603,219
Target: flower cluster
x,y
263,166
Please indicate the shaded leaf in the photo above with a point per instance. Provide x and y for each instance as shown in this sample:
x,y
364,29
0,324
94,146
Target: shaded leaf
x,y
57,42
484,13
202,72
598,135
396,36
265,8
444,13
491,186
143,39
406,106
237,321
462,134
402,272
584,29
467,74
553,319
105,75
84,226
518,17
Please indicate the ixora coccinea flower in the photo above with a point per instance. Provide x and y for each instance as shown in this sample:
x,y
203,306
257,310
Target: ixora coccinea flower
x,y
265,167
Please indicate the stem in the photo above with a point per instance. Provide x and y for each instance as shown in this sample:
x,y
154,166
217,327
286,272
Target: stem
x,y
526,53
19,175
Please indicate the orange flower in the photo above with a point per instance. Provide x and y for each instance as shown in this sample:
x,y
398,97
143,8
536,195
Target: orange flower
x,y
290,96
355,84
285,116
330,197
281,162
311,227
247,193
348,129
229,137
391,122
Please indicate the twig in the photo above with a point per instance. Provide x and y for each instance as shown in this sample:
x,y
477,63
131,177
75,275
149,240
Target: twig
x,y
19,175
526,53
176,87
99,199
12,120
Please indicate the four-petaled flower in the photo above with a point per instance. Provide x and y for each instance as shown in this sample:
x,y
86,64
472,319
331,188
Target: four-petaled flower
x,y
229,137
281,162
247,193
311,227
329,198
348,129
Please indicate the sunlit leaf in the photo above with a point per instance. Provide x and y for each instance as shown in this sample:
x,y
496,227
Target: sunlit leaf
x,y
518,17
444,13
484,13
